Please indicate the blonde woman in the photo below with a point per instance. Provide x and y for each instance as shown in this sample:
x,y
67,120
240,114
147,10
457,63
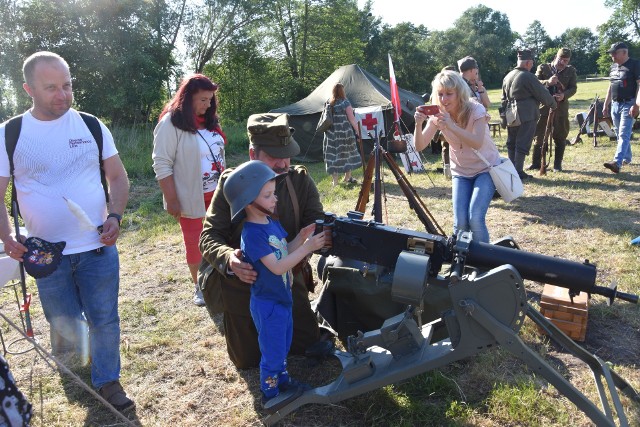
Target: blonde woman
x,y
339,145
463,122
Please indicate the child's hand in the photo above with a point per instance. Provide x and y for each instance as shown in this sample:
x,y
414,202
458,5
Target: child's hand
x,y
307,231
315,242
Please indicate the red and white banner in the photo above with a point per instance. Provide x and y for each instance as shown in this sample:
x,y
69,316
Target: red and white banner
x,y
370,118
395,96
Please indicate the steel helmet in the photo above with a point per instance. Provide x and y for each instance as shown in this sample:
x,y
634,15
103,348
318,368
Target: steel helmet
x,y
244,184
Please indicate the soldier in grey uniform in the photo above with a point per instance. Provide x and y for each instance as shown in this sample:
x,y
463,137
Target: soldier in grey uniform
x,y
560,79
523,88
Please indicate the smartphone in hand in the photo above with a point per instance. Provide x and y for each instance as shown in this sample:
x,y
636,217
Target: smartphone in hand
x,y
428,110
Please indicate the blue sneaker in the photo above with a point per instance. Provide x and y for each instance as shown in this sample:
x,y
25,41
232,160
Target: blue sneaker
x,y
636,241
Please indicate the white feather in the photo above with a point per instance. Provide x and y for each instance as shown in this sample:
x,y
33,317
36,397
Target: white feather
x,y
78,212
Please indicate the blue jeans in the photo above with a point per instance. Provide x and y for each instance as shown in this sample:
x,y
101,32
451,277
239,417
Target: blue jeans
x,y
624,126
83,293
274,323
471,199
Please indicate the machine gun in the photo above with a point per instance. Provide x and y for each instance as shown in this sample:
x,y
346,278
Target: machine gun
x,y
488,307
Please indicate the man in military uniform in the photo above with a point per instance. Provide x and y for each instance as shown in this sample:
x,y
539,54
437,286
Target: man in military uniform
x,y
227,289
622,96
560,79
522,88
471,74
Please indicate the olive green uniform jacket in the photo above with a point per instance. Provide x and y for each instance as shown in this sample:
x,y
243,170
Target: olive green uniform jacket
x,y
568,79
528,92
225,293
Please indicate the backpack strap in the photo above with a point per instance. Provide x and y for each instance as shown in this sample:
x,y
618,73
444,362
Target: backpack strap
x,y
11,135
94,127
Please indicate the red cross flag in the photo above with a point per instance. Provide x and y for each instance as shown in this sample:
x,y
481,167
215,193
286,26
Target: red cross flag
x,y
369,118
395,96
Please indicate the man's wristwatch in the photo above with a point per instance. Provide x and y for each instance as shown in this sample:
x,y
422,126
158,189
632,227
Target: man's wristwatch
x,y
116,216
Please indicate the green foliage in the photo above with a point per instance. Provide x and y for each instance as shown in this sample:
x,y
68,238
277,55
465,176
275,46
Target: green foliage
x,y
118,60
584,47
411,62
482,33
536,38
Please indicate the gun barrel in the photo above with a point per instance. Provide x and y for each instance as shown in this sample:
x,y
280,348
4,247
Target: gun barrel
x,y
541,268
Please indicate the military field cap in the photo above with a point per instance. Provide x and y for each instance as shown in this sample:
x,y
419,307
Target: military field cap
x,y
564,52
272,133
42,258
467,63
616,46
525,55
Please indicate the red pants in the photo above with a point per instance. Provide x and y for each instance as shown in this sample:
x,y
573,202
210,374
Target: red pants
x,y
191,229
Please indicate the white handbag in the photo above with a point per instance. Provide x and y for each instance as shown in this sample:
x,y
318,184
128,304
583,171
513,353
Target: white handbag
x,y
505,178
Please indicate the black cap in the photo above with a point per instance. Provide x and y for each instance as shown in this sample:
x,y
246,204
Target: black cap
x,y
616,46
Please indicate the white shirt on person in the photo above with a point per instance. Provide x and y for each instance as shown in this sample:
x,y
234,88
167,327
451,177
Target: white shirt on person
x,y
54,160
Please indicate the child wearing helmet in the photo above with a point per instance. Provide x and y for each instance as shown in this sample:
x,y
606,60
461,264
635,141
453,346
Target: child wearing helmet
x,y
250,191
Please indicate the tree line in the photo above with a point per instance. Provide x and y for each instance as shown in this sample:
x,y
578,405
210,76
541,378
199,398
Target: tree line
x,y
127,56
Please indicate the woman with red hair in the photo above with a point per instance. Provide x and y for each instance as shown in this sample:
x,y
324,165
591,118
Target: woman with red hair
x,y
188,159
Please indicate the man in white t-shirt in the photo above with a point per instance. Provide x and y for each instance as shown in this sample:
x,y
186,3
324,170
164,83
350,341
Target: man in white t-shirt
x,y
56,157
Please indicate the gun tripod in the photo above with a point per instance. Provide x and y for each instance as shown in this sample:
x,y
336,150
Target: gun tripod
x,y
374,164
591,115
546,143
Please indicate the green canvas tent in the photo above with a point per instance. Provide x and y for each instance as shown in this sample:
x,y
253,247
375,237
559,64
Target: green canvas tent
x,y
363,89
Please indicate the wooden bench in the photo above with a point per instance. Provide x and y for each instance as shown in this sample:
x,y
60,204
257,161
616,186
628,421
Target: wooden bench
x,y
495,126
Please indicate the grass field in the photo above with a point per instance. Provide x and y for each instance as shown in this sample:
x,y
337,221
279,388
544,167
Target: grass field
x,y
174,362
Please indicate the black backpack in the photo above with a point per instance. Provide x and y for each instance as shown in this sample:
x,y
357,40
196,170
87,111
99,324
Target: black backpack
x,y
12,133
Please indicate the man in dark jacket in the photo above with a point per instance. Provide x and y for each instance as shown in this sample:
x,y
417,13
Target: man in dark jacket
x,y
227,290
622,101
560,79
522,88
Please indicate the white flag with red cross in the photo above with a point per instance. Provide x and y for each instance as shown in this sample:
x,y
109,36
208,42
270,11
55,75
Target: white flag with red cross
x,y
369,118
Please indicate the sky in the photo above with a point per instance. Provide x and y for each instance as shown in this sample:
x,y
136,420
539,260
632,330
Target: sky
x,y
440,15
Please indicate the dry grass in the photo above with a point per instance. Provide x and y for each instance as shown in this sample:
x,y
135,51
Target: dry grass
x,y
174,362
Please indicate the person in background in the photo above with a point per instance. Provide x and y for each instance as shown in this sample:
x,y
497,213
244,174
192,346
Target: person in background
x,y
56,157
250,190
525,90
463,121
227,289
188,159
339,144
622,96
560,79
471,74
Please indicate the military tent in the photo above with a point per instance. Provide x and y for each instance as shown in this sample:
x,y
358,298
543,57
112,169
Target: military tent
x,y
363,89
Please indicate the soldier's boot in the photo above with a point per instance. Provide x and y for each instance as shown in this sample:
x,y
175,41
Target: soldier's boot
x,y
559,155
536,157
519,165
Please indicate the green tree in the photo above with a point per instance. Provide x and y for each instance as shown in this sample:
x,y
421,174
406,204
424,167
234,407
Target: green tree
x,y
315,37
117,58
411,62
213,23
536,38
482,33
584,47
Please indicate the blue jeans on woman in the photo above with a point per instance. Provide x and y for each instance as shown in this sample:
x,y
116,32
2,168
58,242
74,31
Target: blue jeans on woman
x,y
83,292
624,126
471,199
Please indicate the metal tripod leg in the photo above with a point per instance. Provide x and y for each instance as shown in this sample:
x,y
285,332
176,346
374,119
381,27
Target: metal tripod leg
x,y
512,342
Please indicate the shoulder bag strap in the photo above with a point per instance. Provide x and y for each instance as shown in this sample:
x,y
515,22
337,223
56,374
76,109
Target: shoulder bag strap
x,y
11,135
294,202
486,162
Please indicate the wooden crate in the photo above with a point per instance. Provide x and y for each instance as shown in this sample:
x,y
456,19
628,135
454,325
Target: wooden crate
x,y
569,317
